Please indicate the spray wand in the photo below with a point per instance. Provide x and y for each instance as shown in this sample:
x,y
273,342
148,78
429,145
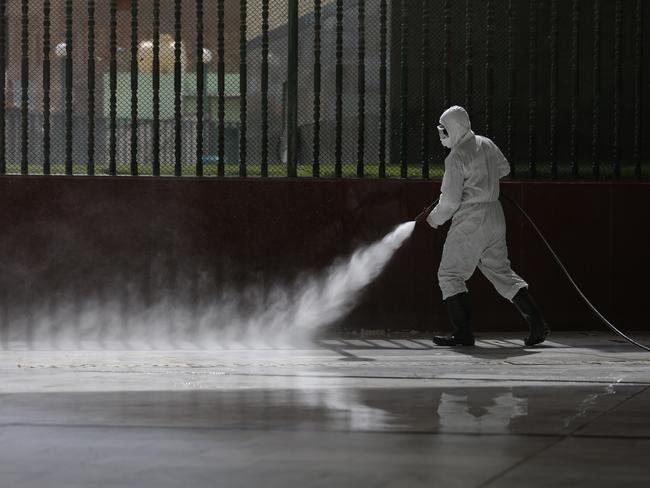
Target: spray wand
x,y
425,212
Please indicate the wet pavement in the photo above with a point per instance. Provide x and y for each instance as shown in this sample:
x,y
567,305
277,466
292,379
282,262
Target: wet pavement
x,y
357,413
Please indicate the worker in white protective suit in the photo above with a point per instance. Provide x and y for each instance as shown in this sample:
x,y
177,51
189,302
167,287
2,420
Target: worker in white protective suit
x,y
477,237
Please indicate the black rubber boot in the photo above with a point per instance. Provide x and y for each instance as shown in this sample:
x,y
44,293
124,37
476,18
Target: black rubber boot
x,y
530,312
460,315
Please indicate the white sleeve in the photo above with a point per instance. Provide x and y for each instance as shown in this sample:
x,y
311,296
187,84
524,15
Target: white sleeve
x,y
502,162
451,193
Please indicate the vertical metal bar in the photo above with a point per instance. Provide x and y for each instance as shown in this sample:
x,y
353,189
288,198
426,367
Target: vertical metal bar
x,y
68,87
361,87
469,68
553,88
200,87
317,88
489,72
47,9
403,119
511,88
595,102
178,12
112,165
532,89
383,44
446,60
638,88
134,87
156,88
426,80
24,82
575,33
617,89
243,71
265,88
292,91
3,85
221,80
339,89
91,87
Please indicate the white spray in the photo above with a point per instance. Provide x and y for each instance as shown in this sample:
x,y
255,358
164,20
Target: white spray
x,y
322,300
279,315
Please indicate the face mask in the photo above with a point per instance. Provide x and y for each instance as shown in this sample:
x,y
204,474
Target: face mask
x,y
445,140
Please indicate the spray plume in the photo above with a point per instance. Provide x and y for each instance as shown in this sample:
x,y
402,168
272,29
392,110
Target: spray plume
x,y
274,316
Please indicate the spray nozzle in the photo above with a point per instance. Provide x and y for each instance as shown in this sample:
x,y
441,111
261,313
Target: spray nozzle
x,y
425,213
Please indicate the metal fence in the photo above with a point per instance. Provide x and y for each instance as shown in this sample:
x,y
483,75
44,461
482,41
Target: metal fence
x,y
326,88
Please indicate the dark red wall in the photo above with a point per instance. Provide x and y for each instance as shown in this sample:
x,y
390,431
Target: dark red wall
x,y
116,238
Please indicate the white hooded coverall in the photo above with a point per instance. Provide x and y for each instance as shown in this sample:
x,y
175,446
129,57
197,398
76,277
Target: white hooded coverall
x,y
470,197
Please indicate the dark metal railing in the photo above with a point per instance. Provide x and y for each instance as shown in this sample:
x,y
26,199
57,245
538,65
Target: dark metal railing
x,y
24,82
511,87
91,87
338,171
617,90
69,55
532,89
317,87
553,86
383,77
221,83
243,71
489,69
134,87
178,25
361,88
595,112
265,92
469,67
638,86
200,87
3,84
404,93
47,139
575,85
320,89
425,120
446,54
112,168
156,88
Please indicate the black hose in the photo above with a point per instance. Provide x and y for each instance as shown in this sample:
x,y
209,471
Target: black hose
x,y
571,280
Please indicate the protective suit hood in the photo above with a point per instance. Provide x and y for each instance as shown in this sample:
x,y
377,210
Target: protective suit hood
x,y
456,121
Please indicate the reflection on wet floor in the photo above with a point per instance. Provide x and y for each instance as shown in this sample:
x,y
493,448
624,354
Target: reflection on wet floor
x,y
347,413
469,410
460,413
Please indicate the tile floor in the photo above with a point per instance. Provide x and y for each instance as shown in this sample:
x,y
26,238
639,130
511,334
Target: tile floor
x,y
344,413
